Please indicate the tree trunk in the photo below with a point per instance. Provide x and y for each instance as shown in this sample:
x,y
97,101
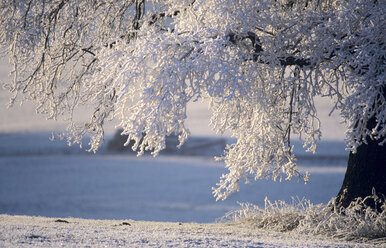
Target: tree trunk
x,y
366,170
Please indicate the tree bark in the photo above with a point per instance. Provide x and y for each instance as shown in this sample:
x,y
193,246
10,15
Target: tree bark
x,y
366,170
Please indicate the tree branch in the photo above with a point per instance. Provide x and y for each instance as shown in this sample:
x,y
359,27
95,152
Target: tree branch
x,y
139,12
87,50
257,50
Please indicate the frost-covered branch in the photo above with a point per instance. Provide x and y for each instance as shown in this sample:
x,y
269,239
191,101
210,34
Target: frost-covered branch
x,y
260,64
289,60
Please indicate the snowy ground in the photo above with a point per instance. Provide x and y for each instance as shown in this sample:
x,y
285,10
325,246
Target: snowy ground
x,y
26,231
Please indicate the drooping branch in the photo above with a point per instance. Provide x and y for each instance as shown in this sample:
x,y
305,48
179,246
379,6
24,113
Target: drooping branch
x,y
155,17
88,50
292,60
289,60
139,12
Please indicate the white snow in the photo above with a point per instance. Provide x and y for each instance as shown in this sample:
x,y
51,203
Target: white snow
x,y
27,231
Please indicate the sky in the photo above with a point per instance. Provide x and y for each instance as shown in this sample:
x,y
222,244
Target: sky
x,y
24,119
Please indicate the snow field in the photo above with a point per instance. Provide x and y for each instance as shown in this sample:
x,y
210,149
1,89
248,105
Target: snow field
x,y
27,231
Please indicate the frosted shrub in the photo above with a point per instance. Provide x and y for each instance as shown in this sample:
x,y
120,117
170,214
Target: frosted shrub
x,y
277,216
358,222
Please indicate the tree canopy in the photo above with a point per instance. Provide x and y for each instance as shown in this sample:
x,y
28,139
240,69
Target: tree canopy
x,y
260,63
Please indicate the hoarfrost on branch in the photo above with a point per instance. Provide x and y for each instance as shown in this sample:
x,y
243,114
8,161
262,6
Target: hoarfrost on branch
x,y
260,64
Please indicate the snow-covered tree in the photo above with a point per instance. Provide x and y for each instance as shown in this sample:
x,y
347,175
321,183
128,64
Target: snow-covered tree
x,y
260,63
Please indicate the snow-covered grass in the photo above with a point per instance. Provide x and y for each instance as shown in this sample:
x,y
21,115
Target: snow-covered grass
x,y
358,222
27,231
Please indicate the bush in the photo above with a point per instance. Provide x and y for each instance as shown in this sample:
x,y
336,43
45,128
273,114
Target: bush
x,y
358,222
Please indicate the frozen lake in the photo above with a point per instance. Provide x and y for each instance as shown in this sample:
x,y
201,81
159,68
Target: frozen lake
x,y
47,179
39,177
